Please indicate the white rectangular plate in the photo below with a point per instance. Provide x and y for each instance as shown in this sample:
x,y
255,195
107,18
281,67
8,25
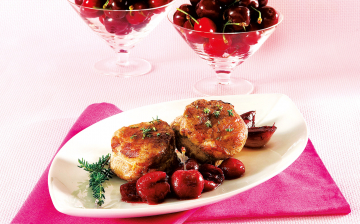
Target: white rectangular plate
x,y
68,184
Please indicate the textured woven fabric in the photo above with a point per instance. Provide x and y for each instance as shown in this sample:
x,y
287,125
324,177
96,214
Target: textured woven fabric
x,y
304,188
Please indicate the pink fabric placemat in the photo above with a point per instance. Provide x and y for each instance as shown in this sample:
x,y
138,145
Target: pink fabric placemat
x,y
304,188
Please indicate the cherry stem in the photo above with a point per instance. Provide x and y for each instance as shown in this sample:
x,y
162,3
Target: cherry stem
x,y
106,4
259,19
131,8
243,24
187,15
183,150
188,18
233,3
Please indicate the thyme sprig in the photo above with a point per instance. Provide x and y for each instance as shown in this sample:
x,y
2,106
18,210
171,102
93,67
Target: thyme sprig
x,y
99,173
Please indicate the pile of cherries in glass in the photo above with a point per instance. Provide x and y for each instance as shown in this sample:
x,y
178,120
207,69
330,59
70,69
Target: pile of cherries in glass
x,y
113,16
225,16
187,182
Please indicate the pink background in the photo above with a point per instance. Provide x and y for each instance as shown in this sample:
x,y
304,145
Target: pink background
x,y
47,80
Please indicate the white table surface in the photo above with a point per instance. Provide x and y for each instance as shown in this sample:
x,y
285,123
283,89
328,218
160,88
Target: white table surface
x,y
47,80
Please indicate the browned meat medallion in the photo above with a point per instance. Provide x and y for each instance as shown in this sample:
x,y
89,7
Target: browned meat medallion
x,y
142,148
210,130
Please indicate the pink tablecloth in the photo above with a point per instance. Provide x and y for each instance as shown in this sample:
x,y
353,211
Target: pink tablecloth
x,y
304,188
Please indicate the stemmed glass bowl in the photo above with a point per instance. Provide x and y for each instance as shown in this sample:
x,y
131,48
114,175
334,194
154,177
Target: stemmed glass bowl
x,y
223,58
122,29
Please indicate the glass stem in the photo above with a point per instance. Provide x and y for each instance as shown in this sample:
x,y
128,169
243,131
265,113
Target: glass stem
x,y
122,58
223,77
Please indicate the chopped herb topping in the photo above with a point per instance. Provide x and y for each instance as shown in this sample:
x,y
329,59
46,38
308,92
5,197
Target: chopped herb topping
x,y
197,116
218,138
208,123
134,126
167,133
186,115
229,129
218,122
157,119
197,106
206,110
230,113
158,134
220,108
154,128
133,136
217,113
145,132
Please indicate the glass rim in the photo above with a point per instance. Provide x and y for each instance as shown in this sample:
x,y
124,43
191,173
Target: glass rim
x,y
281,18
122,10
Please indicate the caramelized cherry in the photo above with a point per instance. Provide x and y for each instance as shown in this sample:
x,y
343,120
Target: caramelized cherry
x,y
191,164
128,192
249,118
152,187
259,136
269,16
211,9
213,176
187,184
232,168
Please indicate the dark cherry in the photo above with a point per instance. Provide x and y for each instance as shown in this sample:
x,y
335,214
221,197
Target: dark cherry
x,y
211,9
226,2
205,25
248,3
191,164
179,17
232,168
237,14
128,192
190,35
249,118
259,136
213,176
86,9
263,3
115,5
152,187
78,2
194,2
115,25
269,16
135,17
187,184
142,25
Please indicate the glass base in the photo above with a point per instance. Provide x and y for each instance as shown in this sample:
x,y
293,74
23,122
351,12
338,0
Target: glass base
x,y
134,67
212,87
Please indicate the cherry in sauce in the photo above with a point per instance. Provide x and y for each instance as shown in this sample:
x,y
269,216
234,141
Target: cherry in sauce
x,y
232,168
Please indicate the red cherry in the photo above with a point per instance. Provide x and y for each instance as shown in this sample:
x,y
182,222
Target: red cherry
x,y
187,184
179,18
135,17
87,11
78,2
263,3
152,187
142,25
212,9
211,51
102,18
157,3
205,25
269,16
115,25
232,168
239,15
191,164
192,36
248,3
213,176
220,43
128,192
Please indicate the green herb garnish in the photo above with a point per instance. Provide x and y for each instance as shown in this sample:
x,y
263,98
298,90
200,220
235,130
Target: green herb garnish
x,y
206,110
133,136
145,132
208,123
98,175
217,113
229,129
230,113
158,134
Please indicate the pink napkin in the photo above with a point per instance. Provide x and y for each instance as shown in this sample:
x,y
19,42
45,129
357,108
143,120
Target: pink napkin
x,y
304,188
